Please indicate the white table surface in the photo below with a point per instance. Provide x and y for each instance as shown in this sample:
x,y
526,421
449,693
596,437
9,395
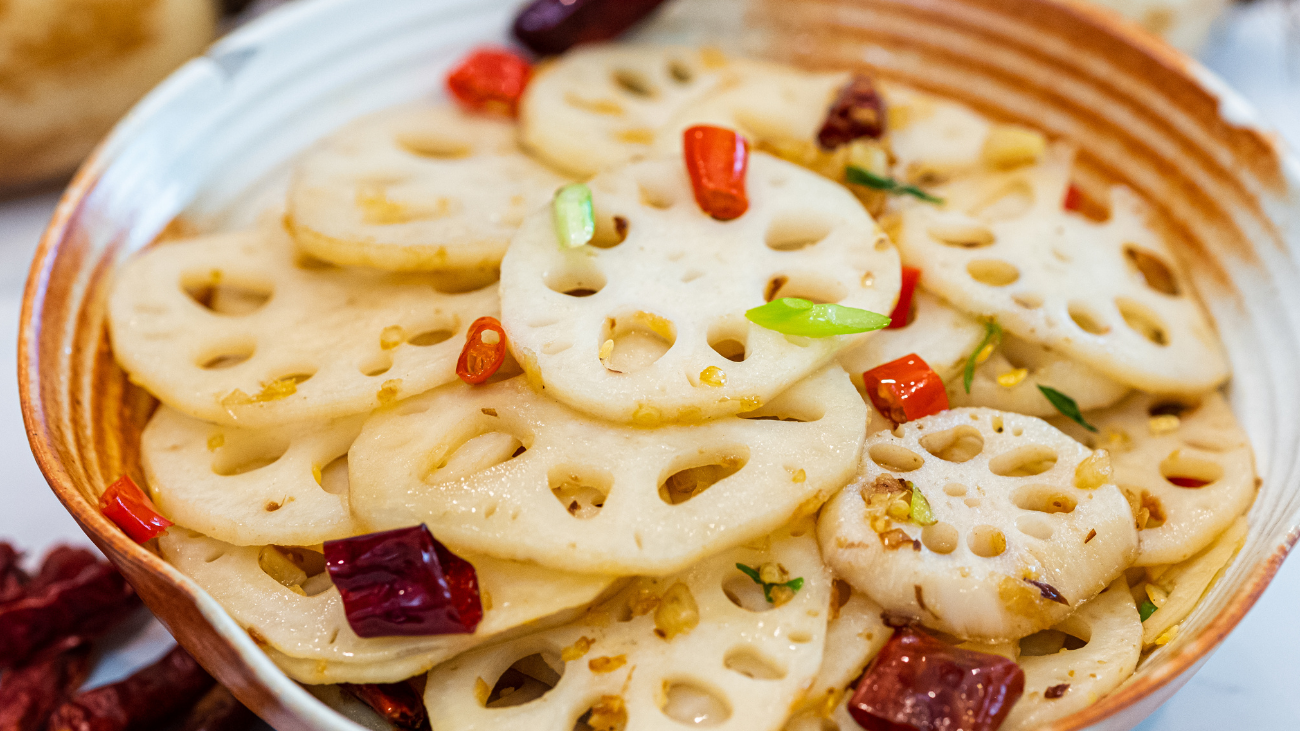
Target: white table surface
x,y
1251,682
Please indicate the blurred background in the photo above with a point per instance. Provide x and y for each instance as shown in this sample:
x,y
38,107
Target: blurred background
x,y
69,69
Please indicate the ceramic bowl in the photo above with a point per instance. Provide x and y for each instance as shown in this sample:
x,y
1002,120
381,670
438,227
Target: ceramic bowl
x,y
214,143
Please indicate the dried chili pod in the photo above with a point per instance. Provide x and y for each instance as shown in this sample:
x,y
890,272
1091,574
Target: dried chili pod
x,y
858,111
554,26
219,710
397,703
145,700
29,694
13,579
918,682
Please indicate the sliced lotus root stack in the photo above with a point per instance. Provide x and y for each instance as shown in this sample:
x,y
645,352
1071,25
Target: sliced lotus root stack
x,y
854,636
424,188
1185,461
236,329
1177,590
653,330
1061,677
1109,295
1026,526
305,629
505,471
1009,381
701,647
598,106
942,336
284,485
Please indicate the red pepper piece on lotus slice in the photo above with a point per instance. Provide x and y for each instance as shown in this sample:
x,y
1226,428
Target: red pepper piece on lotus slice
x,y
484,351
1073,198
858,111
905,389
29,694
404,582
717,160
148,699
397,703
554,26
125,504
918,682
902,313
490,80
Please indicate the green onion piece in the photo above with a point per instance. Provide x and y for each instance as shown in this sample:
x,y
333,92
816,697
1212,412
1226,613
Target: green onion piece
x,y
862,176
794,316
1066,406
920,512
1146,610
992,336
575,223
793,585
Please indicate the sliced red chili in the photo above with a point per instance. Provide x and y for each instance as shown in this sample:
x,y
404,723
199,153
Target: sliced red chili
x,y
1073,198
920,683
490,80
404,582
397,703
1188,481
717,160
554,26
125,504
484,351
146,699
902,313
858,111
905,389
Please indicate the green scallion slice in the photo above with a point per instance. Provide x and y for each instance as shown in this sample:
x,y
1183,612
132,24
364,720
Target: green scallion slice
x,y
920,512
794,316
575,223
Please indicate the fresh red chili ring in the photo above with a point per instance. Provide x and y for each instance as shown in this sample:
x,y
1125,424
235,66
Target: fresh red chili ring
x,y
481,357
905,389
490,80
1073,198
717,160
125,504
903,310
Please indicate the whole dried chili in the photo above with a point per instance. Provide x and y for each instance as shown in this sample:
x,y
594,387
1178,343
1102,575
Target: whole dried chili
x,y
145,700
397,703
905,389
30,693
219,711
13,580
858,111
125,504
554,26
902,313
484,351
73,594
490,80
717,160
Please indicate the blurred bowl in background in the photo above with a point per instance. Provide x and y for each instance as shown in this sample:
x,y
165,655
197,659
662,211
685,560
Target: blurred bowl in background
x,y
1184,24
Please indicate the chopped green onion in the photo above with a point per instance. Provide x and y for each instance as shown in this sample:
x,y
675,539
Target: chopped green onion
x,y
1146,610
793,585
575,223
794,316
862,176
992,337
920,512
1066,406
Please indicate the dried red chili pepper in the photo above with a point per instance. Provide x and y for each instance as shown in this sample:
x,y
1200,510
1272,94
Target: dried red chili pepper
x,y
404,582
490,80
13,580
483,354
717,160
905,389
29,694
903,310
147,699
918,682
858,111
1188,481
397,703
74,594
219,710
554,26
1073,198
125,504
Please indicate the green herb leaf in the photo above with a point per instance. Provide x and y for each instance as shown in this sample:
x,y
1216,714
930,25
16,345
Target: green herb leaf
x,y
575,223
1146,610
920,512
793,584
794,316
1066,406
862,176
992,336
749,571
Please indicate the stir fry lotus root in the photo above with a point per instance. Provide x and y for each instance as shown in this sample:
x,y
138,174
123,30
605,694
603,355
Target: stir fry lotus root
x,y
942,336
283,485
854,636
664,336
1180,587
1185,461
1009,381
600,106
1024,526
235,329
590,496
1109,295
702,645
304,623
428,188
